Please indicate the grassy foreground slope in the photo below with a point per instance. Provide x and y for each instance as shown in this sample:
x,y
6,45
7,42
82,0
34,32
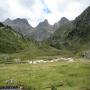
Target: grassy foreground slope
x,y
35,51
31,51
62,75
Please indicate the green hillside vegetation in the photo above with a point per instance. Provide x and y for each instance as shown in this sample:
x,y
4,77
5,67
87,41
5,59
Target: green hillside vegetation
x,y
74,37
81,31
79,37
36,50
57,39
19,47
10,41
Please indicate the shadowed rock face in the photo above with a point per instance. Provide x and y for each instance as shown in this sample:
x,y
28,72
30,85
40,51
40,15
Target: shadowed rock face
x,y
81,29
20,25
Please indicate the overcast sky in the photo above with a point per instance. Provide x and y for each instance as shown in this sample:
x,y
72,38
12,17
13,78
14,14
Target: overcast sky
x,y
36,11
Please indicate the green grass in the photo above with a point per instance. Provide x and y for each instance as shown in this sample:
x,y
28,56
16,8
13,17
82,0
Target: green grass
x,y
63,75
31,51
34,51
10,41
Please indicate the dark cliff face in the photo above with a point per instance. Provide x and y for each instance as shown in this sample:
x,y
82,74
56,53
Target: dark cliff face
x,y
81,29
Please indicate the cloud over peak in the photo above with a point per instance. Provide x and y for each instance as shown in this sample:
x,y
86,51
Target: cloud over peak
x,y
38,10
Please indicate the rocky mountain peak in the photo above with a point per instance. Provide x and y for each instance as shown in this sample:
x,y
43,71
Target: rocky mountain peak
x,y
64,20
44,23
20,25
9,21
84,18
61,22
81,29
21,21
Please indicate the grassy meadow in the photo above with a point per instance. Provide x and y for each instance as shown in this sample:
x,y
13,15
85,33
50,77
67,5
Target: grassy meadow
x,y
62,75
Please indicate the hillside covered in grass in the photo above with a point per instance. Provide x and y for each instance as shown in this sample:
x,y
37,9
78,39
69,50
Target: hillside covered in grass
x,y
10,41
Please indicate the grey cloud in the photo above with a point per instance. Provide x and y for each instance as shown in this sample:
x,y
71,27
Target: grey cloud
x,y
26,3
4,13
46,9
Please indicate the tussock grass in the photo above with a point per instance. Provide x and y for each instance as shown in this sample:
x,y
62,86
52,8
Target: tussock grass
x,y
63,75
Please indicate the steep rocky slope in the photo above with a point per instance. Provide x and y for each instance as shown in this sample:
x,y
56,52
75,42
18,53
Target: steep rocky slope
x,y
20,25
42,32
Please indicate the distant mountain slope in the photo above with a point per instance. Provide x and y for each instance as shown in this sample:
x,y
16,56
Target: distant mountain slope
x,y
10,41
64,26
74,36
20,25
81,29
61,23
79,37
42,32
